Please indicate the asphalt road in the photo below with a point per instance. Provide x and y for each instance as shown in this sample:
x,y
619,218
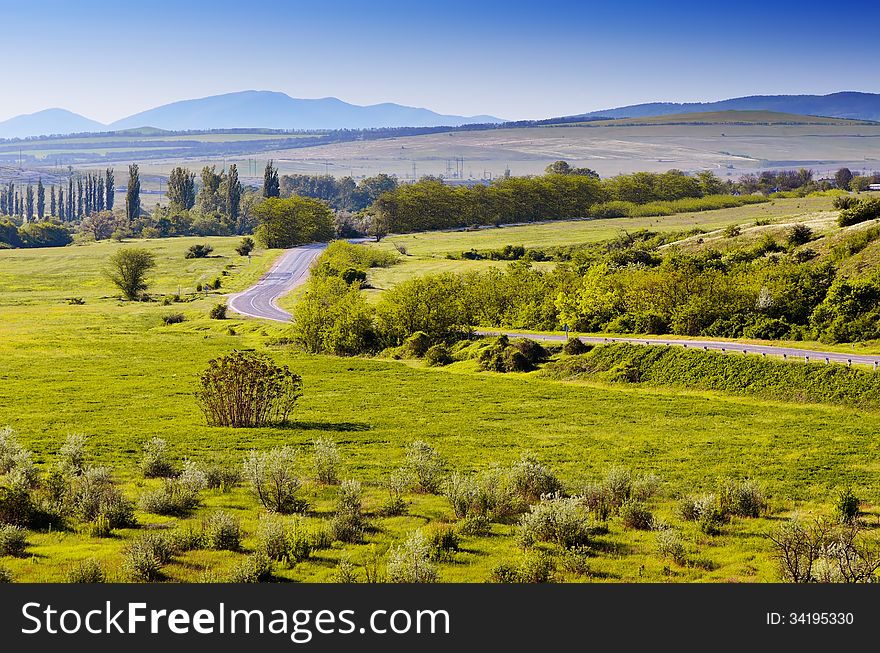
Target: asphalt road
x,y
789,353
289,271
292,269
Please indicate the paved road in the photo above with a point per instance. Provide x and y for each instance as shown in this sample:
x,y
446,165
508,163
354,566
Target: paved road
x,y
289,271
791,353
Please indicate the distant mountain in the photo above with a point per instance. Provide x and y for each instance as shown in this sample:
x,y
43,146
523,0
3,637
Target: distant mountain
x,y
47,122
274,110
848,104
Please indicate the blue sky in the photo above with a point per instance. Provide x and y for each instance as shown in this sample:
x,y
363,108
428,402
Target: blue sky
x,y
511,59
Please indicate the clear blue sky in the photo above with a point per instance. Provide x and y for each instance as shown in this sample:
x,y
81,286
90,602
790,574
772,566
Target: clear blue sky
x,y
514,60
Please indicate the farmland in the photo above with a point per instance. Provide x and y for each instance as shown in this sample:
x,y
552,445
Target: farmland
x,y
116,373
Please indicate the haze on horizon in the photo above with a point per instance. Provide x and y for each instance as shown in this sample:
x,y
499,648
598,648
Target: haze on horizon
x,y
107,60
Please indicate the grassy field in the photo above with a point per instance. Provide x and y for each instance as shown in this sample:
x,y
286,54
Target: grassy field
x,y
426,252
112,371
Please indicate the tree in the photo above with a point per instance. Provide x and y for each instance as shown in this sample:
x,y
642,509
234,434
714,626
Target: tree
x,y
99,225
271,185
246,246
232,195
133,194
62,211
843,177
181,189
52,207
209,193
558,168
292,221
109,187
29,203
128,269
41,199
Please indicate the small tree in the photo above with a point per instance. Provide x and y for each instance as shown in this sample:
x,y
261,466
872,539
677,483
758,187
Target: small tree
x,y
128,269
247,389
199,251
246,246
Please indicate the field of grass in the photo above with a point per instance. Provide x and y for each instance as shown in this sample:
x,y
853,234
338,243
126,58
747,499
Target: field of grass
x,y
426,252
112,371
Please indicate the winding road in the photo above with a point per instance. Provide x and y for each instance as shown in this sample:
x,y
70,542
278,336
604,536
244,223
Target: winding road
x,y
289,271
292,270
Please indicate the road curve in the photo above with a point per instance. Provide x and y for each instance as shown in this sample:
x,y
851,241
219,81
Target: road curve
x,y
289,271
727,347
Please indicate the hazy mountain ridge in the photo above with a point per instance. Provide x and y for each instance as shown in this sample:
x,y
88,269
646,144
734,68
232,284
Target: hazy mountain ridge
x,y
246,109
846,104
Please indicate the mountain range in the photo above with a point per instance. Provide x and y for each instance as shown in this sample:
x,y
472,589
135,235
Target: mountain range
x,y
245,109
273,110
847,104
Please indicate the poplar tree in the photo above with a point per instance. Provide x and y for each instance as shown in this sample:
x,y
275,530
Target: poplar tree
x,y
232,195
52,206
181,189
109,188
29,203
62,212
271,185
133,194
79,197
100,194
41,199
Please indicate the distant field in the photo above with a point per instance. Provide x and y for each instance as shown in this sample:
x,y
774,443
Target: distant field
x,y
427,251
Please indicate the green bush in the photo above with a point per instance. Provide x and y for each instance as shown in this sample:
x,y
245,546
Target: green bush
x,y
88,571
13,540
531,480
562,521
860,211
635,515
326,460
426,465
741,498
256,568
222,532
348,523
5,576
670,545
143,558
411,561
173,318
417,344
846,506
273,479
443,541
575,347
438,356
93,494
199,251
156,461
218,312
245,247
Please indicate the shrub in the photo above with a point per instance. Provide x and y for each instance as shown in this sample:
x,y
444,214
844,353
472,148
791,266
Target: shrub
x,y
443,541
411,561
438,356
574,560
288,541
326,459
799,234
396,483
636,515
16,462
155,461
222,475
142,559
128,269
536,567
476,525
246,389
846,506
222,532
173,318
72,454
5,575
190,539
860,211
562,521
346,572
732,231
88,571
93,494
218,312
531,480
533,351
256,568
13,540
348,523
426,465
272,476
178,496
575,347
246,246
504,572
417,344
743,499
670,545
199,251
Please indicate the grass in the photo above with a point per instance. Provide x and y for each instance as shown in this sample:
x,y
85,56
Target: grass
x,y
112,371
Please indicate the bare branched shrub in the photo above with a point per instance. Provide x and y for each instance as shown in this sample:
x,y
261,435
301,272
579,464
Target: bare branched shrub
x,y
272,476
411,562
327,459
426,465
247,389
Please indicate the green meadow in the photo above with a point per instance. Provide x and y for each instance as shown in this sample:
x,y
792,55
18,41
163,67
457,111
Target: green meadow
x,y
114,372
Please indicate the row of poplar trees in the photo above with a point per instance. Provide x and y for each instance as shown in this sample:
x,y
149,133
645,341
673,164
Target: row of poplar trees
x,y
82,196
